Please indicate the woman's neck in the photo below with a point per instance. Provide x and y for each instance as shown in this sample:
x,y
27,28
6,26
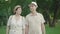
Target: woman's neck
x,y
17,15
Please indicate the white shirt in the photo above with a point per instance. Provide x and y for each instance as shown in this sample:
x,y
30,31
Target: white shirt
x,y
34,22
16,26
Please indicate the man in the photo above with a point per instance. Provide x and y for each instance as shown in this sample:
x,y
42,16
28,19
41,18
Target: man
x,y
35,21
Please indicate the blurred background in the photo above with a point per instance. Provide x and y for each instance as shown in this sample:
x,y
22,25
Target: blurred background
x,y
49,8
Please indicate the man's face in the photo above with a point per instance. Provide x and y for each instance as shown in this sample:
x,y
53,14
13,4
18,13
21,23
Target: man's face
x,y
32,7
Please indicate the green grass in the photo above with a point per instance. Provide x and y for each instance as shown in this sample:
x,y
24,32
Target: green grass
x,y
53,30
3,30
49,30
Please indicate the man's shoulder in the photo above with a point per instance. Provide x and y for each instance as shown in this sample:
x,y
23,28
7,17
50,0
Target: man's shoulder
x,y
28,15
40,14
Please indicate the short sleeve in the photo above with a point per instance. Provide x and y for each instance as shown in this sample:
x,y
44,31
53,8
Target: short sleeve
x,y
42,19
27,23
9,21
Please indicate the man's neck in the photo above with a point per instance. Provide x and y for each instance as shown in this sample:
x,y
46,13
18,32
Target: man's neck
x,y
34,13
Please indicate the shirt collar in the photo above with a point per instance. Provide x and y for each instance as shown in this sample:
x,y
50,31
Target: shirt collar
x,y
35,14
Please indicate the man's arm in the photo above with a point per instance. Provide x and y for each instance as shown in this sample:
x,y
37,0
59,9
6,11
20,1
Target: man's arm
x,y
43,28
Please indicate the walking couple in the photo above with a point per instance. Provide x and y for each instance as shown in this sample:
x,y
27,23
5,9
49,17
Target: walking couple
x,y
32,24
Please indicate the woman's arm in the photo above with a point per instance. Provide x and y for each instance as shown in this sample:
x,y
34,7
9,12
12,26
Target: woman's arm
x,y
26,29
8,24
7,30
43,28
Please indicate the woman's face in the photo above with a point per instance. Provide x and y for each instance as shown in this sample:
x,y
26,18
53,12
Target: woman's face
x,y
19,10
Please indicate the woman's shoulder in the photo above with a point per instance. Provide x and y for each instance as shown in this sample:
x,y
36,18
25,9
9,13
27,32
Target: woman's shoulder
x,y
23,17
11,16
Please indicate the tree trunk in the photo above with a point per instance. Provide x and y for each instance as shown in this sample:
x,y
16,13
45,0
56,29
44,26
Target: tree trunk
x,y
48,17
55,12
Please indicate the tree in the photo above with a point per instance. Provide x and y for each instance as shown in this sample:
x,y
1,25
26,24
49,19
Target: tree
x,y
55,11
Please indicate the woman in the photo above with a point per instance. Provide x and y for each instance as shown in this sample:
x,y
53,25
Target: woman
x,y
16,22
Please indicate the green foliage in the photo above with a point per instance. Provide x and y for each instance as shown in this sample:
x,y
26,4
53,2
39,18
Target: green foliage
x,y
6,7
